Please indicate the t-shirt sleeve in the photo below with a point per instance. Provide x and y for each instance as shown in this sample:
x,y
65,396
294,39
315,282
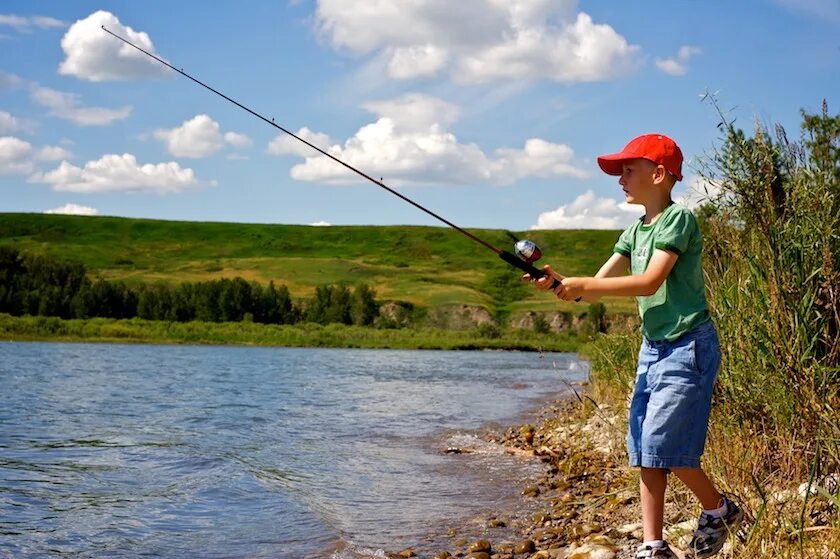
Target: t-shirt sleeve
x,y
676,232
624,246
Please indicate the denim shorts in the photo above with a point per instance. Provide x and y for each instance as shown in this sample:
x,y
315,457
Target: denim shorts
x,y
669,413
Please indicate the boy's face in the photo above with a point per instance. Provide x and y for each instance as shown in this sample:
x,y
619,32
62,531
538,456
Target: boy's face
x,y
639,180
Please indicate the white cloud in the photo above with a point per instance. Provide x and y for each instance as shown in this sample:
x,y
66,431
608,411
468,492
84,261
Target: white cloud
x,y
54,153
199,137
695,191
237,140
678,65
416,61
505,39
94,55
73,209
284,144
409,144
540,158
25,24
10,81
321,224
68,106
590,212
10,123
118,173
15,156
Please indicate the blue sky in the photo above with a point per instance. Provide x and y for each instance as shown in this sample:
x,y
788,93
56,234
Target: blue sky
x,y
489,112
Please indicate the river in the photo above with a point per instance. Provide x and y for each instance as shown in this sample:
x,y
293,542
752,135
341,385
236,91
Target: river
x,y
202,451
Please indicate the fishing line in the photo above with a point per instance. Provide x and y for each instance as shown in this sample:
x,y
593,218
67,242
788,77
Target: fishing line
x,y
526,252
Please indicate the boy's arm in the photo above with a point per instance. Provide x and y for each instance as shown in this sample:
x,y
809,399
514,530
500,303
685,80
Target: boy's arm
x,y
660,265
617,266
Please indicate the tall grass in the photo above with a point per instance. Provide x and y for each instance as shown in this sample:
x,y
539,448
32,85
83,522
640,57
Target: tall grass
x,y
773,264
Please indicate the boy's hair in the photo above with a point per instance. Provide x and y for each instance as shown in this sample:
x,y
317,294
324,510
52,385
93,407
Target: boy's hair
x,y
658,148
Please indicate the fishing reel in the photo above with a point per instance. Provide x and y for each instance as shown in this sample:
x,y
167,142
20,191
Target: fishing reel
x,y
527,251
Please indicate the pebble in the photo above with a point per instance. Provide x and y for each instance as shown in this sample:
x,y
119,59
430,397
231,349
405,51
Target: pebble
x,y
480,546
525,546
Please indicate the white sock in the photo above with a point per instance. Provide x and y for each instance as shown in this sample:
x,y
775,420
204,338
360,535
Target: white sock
x,y
656,544
719,512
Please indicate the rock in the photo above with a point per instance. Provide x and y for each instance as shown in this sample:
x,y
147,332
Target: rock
x,y
478,555
496,523
406,553
531,491
627,529
585,529
829,484
442,555
525,546
540,518
461,543
592,550
479,546
456,450
680,534
542,554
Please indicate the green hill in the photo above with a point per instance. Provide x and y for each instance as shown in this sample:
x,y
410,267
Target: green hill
x,y
427,266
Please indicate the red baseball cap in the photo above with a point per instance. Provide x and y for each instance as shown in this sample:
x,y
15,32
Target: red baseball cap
x,y
658,148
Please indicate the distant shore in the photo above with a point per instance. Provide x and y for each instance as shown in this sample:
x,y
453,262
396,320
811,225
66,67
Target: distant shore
x,y
104,330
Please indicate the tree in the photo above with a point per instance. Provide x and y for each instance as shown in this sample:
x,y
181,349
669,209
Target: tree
x,y
363,306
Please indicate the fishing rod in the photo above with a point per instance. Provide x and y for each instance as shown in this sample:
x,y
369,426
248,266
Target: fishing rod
x,y
525,252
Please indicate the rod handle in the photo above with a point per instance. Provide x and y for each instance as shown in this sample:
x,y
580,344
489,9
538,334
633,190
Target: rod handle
x,y
534,272
517,262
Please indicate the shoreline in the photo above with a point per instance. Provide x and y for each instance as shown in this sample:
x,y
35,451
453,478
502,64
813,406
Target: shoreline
x,y
581,507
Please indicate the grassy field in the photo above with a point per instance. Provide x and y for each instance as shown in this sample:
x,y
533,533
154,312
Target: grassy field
x,y
426,266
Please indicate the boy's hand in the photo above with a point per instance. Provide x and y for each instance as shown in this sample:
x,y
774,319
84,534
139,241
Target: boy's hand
x,y
544,283
571,289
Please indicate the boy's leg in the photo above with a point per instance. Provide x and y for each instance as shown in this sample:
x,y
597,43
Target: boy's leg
x,y
652,490
699,484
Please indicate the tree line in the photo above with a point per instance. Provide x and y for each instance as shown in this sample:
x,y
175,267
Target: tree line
x,y
40,285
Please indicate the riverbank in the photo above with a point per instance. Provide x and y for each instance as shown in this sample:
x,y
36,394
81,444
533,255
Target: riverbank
x,y
587,499
135,330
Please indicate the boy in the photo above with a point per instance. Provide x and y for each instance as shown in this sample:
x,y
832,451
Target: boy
x,y
680,353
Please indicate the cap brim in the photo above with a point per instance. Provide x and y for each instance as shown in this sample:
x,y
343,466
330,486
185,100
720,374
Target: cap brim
x,y
612,164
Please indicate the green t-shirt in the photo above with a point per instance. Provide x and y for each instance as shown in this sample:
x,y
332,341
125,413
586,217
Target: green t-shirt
x,y
680,302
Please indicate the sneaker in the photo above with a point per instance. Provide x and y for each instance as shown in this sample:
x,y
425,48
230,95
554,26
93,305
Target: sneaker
x,y
650,552
712,532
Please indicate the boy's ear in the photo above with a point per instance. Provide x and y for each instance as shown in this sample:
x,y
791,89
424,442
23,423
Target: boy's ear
x,y
659,174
